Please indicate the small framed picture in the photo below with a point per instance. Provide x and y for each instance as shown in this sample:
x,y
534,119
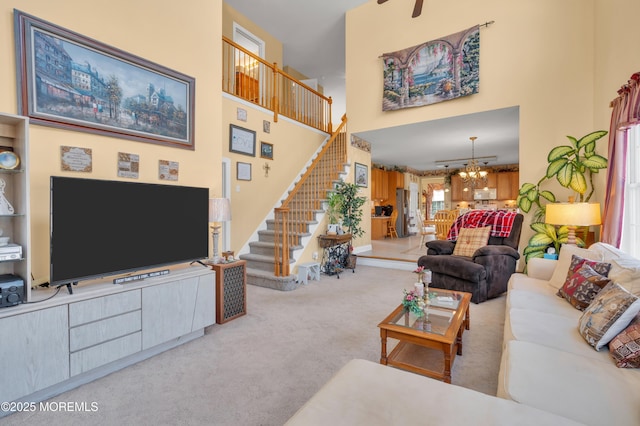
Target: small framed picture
x,y
266,126
243,171
242,114
362,175
266,150
242,141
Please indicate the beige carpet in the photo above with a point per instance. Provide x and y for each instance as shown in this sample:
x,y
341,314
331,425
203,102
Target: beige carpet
x,y
260,368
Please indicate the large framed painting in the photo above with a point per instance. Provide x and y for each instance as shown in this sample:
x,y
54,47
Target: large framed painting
x,y
73,82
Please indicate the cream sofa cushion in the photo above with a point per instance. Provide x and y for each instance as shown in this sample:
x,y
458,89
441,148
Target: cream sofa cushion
x,y
569,385
564,260
555,331
367,393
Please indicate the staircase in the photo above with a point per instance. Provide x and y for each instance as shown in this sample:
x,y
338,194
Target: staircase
x,y
271,258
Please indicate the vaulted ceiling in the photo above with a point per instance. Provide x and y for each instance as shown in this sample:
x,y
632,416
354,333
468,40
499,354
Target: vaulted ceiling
x,y
313,36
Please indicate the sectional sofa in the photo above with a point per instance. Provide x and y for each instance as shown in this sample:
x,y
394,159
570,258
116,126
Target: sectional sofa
x,y
547,360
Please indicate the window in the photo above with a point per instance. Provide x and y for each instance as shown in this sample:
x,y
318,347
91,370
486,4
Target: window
x,y
630,242
437,203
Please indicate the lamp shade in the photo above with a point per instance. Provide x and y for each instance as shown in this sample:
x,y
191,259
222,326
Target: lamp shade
x,y
573,214
219,210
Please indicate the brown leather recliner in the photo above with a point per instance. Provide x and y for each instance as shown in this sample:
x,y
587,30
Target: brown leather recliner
x,y
484,275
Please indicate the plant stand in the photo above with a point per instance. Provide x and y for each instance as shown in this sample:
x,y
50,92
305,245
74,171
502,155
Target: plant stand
x,y
335,254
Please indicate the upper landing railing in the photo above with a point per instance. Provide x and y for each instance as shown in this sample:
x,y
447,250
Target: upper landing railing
x,y
249,77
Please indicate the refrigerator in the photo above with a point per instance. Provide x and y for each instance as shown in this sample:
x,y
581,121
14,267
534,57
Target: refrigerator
x,y
402,205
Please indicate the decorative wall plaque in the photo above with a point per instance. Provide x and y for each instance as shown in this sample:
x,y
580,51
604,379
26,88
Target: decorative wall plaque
x,y
168,170
128,165
74,159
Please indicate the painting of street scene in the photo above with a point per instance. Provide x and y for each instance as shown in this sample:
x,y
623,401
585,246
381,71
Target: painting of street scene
x,y
435,71
73,83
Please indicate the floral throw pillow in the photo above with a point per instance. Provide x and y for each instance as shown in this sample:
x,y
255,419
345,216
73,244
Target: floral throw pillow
x,y
470,240
580,288
609,313
625,347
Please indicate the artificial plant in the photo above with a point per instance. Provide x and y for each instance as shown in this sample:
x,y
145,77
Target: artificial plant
x,y
573,166
350,207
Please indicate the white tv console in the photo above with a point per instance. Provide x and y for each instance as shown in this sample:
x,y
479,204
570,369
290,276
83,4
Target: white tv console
x,y
72,339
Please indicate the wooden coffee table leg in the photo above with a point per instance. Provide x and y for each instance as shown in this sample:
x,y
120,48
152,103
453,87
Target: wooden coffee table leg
x,y
447,364
459,341
467,320
383,351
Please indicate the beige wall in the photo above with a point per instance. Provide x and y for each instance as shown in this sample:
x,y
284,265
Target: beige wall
x,y
156,32
293,146
554,59
273,47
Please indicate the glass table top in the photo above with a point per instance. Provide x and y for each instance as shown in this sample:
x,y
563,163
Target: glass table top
x,y
441,308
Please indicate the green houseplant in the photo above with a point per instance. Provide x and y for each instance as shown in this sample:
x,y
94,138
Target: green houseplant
x,y
572,166
334,212
349,207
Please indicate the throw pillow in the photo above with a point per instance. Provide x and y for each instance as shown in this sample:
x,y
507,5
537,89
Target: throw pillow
x,y
564,259
581,287
602,268
609,313
625,347
470,240
626,272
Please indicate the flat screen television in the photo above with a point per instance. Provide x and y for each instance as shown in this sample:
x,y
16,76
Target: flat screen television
x,y
100,228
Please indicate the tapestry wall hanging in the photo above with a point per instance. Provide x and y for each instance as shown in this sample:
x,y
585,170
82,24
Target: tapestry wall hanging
x,y
431,72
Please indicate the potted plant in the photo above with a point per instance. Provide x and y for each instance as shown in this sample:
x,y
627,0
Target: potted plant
x,y
334,209
350,207
351,211
573,167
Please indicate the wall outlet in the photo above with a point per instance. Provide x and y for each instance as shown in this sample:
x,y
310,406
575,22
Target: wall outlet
x,y
315,255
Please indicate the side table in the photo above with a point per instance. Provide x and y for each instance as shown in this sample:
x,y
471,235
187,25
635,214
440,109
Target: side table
x,y
231,290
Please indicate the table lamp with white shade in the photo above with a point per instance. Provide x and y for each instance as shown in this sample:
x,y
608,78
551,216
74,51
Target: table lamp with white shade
x,y
573,215
219,211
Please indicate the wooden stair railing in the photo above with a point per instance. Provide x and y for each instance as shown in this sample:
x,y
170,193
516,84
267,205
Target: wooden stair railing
x,y
292,217
251,78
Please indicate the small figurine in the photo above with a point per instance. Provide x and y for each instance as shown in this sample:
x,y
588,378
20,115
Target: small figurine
x,y
5,206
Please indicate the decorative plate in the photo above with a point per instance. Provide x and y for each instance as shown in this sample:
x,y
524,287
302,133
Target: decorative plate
x,y
8,160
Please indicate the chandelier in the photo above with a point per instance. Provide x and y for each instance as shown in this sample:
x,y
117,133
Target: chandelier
x,y
472,176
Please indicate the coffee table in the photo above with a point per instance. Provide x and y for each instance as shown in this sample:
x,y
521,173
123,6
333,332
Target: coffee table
x,y
441,329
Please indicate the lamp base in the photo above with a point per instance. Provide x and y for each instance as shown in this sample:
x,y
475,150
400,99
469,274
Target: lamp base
x,y
571,238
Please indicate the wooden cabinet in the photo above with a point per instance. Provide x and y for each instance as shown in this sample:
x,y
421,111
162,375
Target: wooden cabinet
x,y
457,190
61,343
231,290
396,180
103,330
14,134
508,185
35,350
379,184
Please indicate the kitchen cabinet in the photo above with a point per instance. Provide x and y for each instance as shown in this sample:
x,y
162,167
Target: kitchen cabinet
x,y
379,184
396,180
508,185
457,190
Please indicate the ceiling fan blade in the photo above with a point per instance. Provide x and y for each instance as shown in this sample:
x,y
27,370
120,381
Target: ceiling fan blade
x,y
417,9
381,1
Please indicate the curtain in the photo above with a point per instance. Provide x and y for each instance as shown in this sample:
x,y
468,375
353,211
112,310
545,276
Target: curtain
x,y
626,111
428,194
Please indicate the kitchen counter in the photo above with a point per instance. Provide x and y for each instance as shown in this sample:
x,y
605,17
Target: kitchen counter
x,y
379,227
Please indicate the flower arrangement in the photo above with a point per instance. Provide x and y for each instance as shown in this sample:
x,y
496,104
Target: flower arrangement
x,y
413,302
421,272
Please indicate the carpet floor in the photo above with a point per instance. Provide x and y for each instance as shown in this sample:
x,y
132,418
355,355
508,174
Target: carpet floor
x,y
260,368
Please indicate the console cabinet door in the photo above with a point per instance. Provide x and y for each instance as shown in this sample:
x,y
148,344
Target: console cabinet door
x,y
35,352
177,308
